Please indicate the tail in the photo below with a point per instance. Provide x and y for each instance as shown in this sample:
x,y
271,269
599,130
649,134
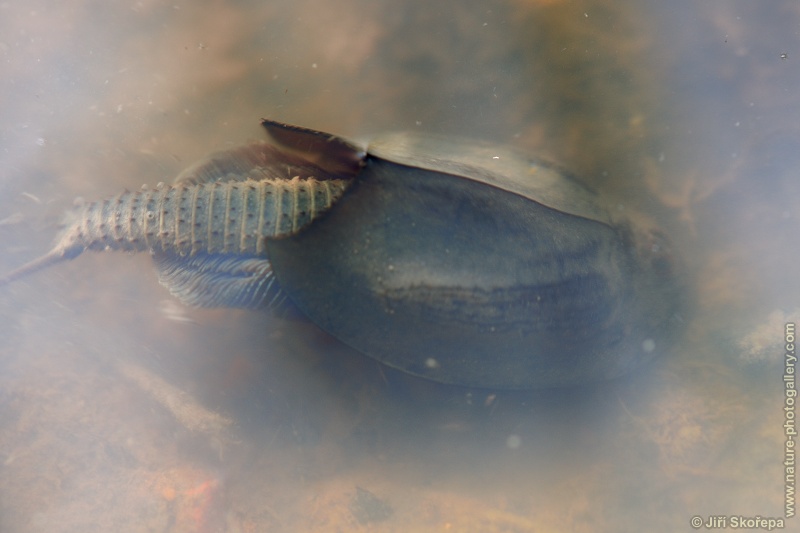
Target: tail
x,y
235,217
54,256
216,207
68,246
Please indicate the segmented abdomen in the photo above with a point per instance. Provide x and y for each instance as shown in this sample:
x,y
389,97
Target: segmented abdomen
x,y
218,217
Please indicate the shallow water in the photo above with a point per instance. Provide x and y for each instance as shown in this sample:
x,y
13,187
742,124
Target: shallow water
x,y
121,410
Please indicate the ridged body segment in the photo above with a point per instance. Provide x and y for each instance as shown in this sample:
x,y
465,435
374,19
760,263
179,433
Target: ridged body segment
x,y
190,218
218,217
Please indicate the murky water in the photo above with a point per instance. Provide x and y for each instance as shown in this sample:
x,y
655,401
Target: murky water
x,y
120,410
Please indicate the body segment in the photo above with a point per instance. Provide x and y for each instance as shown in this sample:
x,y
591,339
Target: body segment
x,y
234,214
